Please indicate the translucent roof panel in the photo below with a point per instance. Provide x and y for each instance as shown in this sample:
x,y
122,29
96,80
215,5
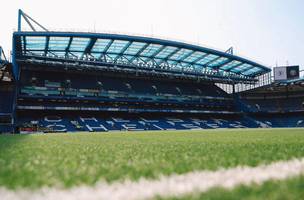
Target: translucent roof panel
x,y
35,43
79,44
166,52
218,62
117,46
230,65
135,51
100,45
134,48
151,50
253,70
240,68
195,56
207,59
181,54
58,43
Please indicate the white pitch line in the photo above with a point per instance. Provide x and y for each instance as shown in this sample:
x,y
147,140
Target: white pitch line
x,y
166,186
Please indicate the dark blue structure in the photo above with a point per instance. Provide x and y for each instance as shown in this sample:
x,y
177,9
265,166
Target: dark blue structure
x,y
64,81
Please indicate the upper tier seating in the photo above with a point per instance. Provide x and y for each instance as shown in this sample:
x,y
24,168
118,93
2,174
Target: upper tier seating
x,y
126,89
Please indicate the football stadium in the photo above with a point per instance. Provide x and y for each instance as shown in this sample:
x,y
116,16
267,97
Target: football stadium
x,y
88,115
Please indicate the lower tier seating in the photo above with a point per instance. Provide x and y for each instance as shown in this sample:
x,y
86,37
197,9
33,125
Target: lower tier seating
x,y
92,123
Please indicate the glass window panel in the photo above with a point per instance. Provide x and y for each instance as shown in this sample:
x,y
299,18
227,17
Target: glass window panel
x,y
35,43
79,44
100,45
58,43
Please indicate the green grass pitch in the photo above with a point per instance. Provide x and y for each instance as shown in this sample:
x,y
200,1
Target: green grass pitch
x,y
66,160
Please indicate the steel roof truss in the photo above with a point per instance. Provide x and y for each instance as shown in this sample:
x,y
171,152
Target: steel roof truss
x,y
67,50
46,45
89,47
123,50
156,52
140,51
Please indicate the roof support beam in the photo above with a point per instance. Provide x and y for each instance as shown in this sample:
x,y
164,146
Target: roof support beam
x,y
24,44
67,49
28,19
89,47
108,46
46,49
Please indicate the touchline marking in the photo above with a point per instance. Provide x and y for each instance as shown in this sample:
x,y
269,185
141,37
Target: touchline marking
x,y
166,186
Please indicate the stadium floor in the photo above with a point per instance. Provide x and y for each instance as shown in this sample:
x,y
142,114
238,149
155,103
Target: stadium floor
x,y
74,159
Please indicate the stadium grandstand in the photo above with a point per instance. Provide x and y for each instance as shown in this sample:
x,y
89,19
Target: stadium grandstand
x,y
72,81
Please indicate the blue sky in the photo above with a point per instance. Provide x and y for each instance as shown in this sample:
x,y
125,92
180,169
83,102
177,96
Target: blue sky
x,y
267,31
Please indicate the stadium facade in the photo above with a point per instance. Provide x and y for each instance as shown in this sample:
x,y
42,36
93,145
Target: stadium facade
x,y
68,81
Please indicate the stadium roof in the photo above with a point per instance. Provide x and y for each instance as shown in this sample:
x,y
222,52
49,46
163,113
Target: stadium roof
x,y
139,52
130,52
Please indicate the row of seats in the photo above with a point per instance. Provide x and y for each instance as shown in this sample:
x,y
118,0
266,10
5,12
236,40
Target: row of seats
x,y
97,124
281,122
64,124
122,85
71,124
114,90
276,105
